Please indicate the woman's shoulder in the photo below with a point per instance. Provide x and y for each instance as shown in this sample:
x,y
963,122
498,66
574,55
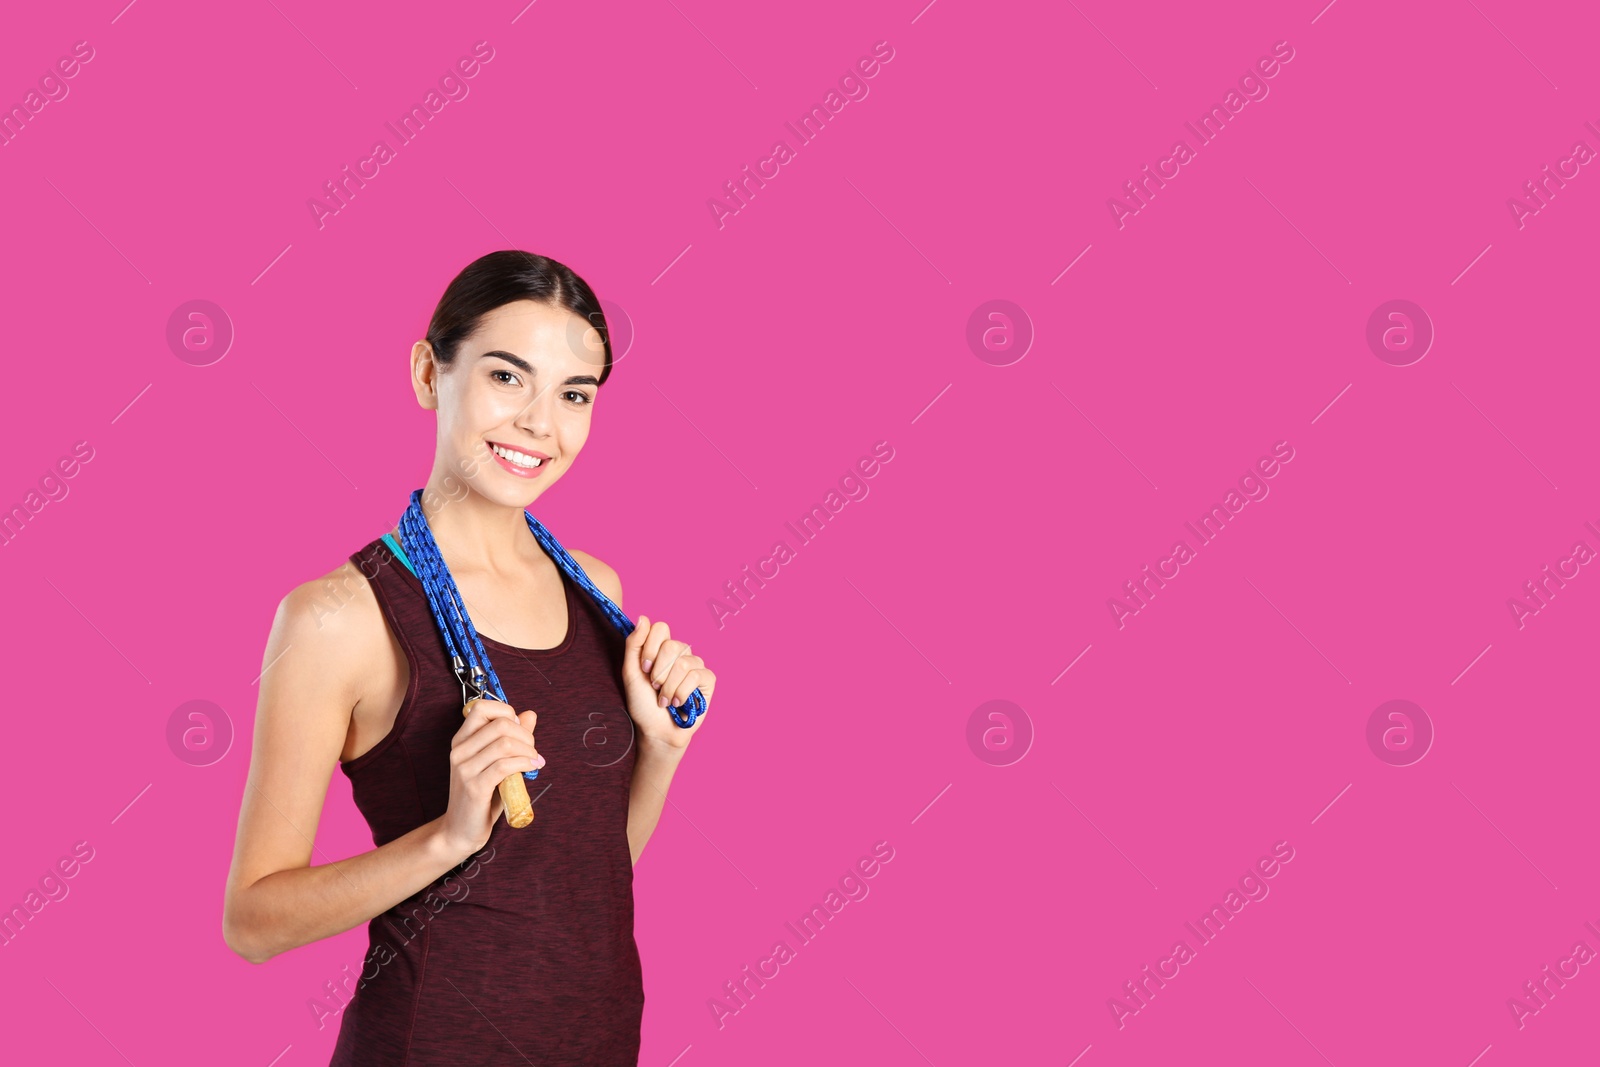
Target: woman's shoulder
x,y
600,574
334,617
325,658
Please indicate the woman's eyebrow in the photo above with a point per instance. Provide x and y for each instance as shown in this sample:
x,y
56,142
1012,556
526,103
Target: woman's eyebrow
x,y
518,361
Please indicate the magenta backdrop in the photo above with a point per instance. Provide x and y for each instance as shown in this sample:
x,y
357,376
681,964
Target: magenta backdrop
x,y
1157,342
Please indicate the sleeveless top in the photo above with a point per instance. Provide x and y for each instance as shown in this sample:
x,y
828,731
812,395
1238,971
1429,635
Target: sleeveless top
x,y
525,951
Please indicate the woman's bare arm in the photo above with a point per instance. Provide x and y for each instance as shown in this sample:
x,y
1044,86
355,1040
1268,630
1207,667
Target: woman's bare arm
x,y
275,900
653,768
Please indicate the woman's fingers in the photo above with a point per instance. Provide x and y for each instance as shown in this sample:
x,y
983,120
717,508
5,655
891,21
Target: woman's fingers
x,y
469,750
682,689
672,680
658,635
500,749
632,648
671,653
490,731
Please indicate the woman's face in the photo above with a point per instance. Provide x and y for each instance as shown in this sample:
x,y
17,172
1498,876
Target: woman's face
x,y
524,382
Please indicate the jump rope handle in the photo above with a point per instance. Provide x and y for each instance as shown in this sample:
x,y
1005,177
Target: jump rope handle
x,y
519,809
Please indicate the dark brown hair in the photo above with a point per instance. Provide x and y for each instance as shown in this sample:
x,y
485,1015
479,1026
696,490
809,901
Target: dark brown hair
x,y
498,278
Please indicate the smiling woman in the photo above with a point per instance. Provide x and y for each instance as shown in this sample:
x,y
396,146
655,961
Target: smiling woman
x,y
542,957
528,462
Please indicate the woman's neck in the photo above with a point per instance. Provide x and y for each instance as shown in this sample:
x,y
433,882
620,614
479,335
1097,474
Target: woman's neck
x,y
477,535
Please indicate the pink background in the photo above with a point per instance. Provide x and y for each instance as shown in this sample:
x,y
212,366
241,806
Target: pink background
x,y
829,314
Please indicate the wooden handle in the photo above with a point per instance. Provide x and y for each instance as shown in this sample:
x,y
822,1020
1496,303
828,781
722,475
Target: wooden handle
x,y
513,790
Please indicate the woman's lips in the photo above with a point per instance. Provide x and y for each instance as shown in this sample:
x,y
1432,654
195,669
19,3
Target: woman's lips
x,y
520,472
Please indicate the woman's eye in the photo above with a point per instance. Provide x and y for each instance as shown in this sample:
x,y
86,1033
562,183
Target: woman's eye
x,y
578,396
507,373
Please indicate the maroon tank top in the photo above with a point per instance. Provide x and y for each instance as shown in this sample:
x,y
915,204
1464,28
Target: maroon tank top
x,y
525,951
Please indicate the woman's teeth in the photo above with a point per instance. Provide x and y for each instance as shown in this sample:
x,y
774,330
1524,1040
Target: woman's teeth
x,y
516,457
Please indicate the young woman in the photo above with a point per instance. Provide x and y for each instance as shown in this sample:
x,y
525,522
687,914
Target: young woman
x,y
486,943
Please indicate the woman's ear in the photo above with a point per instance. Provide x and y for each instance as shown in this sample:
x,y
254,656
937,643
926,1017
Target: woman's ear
x,y
425,375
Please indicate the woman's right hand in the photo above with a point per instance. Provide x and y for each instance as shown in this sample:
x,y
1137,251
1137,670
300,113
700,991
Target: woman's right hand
x,y
494,742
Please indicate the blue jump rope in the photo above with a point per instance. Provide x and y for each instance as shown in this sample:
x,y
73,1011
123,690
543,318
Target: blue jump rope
x,y
468,659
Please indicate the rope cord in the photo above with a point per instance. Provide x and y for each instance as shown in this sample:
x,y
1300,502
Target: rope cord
x,y
469,660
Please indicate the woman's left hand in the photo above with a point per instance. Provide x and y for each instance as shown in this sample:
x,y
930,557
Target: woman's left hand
x,y
658,672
